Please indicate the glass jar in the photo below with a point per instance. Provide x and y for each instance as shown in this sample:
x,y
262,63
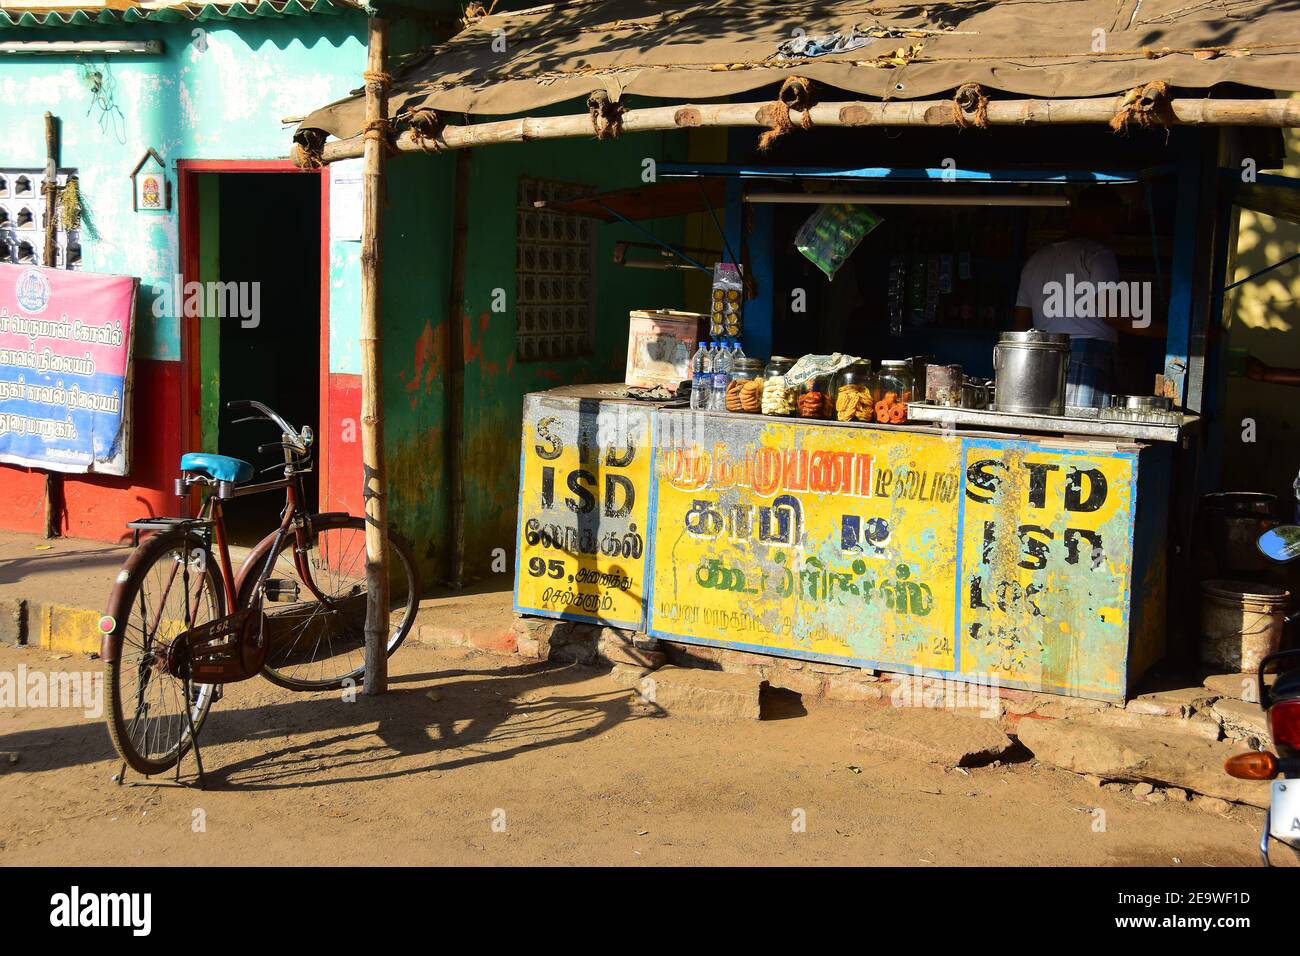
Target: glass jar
x,y
893,391
853,393
778,397
815,398
745,389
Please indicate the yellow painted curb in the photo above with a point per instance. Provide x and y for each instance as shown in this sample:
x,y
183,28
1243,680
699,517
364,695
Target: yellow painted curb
x,y
69,630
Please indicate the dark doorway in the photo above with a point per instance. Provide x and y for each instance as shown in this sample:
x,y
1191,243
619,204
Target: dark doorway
x,y
269,234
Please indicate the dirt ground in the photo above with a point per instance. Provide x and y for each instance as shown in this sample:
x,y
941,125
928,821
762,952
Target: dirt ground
x,y
481,759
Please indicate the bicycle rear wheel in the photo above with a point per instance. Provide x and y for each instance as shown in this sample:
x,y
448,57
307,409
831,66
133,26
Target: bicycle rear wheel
x,y
146,705
317,644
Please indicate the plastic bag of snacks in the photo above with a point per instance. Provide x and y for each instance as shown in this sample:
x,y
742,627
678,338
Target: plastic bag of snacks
x,y
728,290
828,237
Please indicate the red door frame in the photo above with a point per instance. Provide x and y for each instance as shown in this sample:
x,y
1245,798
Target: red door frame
x,y
188,227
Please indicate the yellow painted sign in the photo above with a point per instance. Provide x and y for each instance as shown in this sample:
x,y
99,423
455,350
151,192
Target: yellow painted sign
x,y
583,511
1046,561
991,560
808,538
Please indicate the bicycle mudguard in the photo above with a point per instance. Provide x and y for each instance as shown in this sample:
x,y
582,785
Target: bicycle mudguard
x,y
110,644
262,547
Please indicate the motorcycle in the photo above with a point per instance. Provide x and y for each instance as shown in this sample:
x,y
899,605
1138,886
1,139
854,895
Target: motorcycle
x,y
1281,702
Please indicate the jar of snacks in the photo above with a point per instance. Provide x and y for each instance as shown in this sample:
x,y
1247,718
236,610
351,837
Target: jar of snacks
x,y
853,393
815,398
893,391
745,390
778,397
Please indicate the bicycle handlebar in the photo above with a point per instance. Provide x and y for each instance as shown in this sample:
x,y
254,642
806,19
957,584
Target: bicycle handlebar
x,y
298,441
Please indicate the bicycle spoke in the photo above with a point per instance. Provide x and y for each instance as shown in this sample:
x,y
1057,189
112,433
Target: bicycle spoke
x,y
318,641
158,710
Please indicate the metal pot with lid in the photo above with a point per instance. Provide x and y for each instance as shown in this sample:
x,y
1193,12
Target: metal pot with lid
x,y
1030,369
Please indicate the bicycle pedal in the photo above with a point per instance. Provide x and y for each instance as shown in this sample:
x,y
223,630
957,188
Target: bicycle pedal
x,y
281,589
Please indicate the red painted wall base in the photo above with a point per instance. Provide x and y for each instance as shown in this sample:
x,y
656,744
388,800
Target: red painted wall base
x,y
98,506
342,480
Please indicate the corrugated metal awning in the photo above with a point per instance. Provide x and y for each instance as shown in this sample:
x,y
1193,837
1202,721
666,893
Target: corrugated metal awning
x,y
37,17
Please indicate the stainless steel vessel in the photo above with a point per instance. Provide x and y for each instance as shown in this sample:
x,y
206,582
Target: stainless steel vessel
x,y
1029,369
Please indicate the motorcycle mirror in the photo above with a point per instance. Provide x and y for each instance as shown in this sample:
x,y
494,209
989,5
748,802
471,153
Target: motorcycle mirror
x,y
1281,544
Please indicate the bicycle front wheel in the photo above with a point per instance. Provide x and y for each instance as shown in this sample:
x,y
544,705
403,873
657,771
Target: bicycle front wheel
x,y
315,604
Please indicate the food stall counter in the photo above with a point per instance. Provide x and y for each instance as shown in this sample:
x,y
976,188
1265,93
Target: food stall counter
x,y
1008,559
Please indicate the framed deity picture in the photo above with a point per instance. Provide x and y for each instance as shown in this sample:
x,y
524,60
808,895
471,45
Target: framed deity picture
x,y
152,189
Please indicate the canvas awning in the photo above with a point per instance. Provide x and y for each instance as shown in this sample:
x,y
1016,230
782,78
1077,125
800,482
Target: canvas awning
x,y
517,63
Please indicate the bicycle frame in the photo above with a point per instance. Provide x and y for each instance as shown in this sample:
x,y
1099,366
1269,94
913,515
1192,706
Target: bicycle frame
x,y
211,516
211,511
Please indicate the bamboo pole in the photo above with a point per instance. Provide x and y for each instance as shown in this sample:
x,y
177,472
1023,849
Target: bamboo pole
x,y
931,113
456,318
50,187
372,399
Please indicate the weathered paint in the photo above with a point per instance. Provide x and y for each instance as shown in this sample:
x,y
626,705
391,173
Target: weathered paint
x,y
1047,561
824,541
417,255
992,560
222,98
583,511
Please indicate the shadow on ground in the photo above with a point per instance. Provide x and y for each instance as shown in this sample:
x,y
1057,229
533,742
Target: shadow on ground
x,y
470,716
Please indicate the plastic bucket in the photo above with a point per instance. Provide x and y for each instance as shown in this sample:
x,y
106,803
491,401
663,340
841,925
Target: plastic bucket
x,y
1241,623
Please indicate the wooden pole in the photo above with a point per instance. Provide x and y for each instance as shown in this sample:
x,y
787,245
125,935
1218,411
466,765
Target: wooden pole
x,y
50,187
932,113
456,318
372,396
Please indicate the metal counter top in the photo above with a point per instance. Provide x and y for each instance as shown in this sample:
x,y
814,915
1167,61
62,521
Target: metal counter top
x,y
1050,424
929,418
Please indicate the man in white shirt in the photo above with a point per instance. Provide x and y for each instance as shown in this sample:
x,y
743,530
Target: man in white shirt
x,y
1073,287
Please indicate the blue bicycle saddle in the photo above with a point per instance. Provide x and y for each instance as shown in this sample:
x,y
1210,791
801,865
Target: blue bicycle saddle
x,y
219,467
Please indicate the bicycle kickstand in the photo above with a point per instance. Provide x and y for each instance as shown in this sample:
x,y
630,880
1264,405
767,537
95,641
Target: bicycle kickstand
x,y
194,740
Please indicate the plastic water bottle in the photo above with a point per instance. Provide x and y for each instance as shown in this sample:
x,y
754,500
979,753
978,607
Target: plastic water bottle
x,y
737,353
721,376
701,382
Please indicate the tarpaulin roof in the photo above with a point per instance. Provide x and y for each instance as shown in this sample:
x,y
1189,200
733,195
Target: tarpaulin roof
x,y
516,63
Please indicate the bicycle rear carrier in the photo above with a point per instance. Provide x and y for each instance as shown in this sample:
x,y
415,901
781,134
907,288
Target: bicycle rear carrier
x,y
169,524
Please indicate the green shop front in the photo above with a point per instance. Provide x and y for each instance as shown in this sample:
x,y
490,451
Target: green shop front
x,y
1032,551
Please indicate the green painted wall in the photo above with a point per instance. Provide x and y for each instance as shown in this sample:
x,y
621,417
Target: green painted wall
x,y
416,277
209,330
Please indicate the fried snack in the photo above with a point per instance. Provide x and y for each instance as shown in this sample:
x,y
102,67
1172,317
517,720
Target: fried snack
x,y
777,398
897,413
882,411
733,395
751,395
814,405
853,404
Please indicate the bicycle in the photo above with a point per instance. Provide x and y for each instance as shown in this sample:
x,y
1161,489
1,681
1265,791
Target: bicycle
x,y
295,613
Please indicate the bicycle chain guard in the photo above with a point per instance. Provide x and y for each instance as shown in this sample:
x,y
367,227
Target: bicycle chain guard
x,y
223,651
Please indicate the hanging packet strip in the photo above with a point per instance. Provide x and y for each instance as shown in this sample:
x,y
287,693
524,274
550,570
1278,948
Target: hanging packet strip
x,y
828,237
728,296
